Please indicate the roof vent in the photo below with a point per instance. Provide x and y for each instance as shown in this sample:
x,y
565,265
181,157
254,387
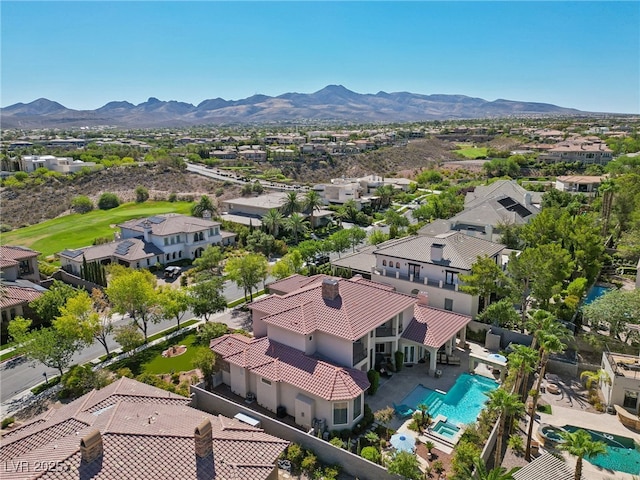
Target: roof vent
x,y
204,439
330,289
91,446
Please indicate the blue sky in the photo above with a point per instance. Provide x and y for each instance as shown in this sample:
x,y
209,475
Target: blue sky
x,y
584,55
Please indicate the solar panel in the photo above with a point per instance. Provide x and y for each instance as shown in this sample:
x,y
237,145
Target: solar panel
x,y
513,206
123,248
156,220
72,253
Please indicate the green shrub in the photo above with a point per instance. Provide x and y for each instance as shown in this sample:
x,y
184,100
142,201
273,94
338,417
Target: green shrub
x,y
295,454
5,227
81,204
81,379
210,330
108,201
142,194
516,443
173,197
7,421
399,356
309,463
124,372
337,442
371,454
175,377
374,380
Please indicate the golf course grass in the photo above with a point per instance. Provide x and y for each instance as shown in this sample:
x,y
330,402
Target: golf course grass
x,y
472,153
80,230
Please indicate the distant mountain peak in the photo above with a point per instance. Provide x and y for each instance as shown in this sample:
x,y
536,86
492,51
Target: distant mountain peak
x,y
331,103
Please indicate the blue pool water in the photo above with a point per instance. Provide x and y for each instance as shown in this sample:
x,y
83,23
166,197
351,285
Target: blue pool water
x,y
446,429
623,454
595,292
461,404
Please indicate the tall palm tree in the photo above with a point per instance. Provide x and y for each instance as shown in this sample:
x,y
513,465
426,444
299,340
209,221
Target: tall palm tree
x,y
312,201
481,473
272,221
291,204
549,343
607,189
506,405
581,445
385,192
296,225
523,361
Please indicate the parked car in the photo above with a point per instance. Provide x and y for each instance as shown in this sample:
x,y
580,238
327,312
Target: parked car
x,y
172,272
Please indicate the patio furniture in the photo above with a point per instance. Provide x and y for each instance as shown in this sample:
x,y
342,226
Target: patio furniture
x,y
553,388
453,360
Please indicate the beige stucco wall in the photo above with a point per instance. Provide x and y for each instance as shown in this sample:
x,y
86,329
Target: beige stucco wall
x,y
338,350
286,337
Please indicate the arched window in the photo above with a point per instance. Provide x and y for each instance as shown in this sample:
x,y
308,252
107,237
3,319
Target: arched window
x,y
195,237
397,264
384,263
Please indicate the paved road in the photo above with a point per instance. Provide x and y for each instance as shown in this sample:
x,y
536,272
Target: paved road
x,y
226,176
19,375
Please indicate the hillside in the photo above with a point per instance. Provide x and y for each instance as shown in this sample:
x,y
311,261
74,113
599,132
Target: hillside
x,y
33,204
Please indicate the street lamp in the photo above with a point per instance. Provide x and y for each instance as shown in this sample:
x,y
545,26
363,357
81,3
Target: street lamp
x,y
46,380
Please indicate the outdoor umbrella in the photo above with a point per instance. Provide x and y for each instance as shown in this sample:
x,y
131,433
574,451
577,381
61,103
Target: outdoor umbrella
x,y
403,442
497,357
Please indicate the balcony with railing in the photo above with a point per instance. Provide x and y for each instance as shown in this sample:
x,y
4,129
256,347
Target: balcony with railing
x,y
417,280
385,331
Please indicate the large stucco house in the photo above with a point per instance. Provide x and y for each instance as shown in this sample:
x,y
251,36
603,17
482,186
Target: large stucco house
x,y
156,240
432,264
317,337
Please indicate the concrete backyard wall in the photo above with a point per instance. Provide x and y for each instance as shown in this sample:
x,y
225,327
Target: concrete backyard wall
x,y
327,453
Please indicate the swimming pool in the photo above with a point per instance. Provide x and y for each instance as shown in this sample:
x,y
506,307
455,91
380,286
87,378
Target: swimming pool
x,y
461,404
623,454
595,292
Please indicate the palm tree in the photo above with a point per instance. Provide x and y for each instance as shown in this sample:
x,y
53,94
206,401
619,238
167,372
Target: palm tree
x,y
581,445
523,361
506,405
481,473
202,206
272,221
291,204
607,189
312,201
549,343
296,225
385,192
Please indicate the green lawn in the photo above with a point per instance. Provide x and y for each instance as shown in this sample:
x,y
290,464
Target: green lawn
x,y
472,152
181,363
76,230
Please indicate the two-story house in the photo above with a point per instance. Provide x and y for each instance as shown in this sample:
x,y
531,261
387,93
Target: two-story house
x,y
315,340
145,242
426,263
19,282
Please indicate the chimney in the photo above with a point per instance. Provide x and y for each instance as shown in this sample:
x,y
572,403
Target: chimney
x,y
91,446
423,299
436,252
206,215
204,439
488,230
527,199
146,227
330,289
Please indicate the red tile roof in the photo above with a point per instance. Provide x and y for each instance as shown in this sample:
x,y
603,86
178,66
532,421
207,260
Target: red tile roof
x,y
146,433
16,253
280,363
294,282
10,295
361,306
432,327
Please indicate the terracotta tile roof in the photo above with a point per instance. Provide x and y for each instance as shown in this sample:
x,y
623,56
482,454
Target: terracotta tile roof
x,y
9,252
294,282
146,433
10,295
432,327
460,250
350,315
280,363
170,224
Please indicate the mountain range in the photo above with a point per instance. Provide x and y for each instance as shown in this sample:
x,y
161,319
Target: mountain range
x,y
332,103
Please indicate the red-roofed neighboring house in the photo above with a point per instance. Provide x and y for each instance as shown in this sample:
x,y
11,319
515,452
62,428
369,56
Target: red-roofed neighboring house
x,y
130,430
19,283
314,344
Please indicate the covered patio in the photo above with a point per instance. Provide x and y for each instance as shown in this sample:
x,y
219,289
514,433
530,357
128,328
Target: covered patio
x,y
493,360
431,336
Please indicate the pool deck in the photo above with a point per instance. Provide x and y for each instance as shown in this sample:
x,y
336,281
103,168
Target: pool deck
x,y
394,389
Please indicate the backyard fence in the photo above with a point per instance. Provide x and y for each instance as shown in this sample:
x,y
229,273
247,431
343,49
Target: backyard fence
x,y
352,464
